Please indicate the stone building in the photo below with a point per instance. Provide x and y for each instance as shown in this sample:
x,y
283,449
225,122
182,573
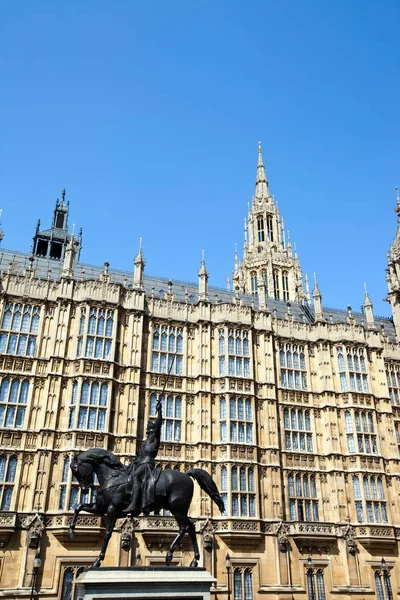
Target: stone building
x,y
293,408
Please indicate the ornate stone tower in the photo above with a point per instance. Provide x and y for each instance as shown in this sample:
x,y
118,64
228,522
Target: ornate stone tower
x,y
52,243
268,260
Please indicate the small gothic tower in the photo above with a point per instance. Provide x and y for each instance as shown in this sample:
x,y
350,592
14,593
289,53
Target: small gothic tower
x,y
266,255
203,280
393,272
52,243
138,269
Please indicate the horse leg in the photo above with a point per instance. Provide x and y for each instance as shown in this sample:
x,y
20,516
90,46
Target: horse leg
x,y
182,531
192,532
111,518
91,508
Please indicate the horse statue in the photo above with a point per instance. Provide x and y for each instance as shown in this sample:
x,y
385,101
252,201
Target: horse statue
x,y
173,491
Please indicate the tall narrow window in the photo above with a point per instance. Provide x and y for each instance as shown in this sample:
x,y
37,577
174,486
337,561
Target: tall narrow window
x,y
370,499
264,275
303,503
285,285
20,326
260,229
315,584
352,369
237,353
293,367
242,584
88,407
362,423
13,399
383,585
239,492
276,284
270,228
393,381
167,346
172,416
68,589
238,421
254,283
8,468
297,426
96,333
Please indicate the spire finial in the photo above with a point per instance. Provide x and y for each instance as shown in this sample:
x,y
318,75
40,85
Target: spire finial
x,y
202,257
73,229
397,194
63,195
259,147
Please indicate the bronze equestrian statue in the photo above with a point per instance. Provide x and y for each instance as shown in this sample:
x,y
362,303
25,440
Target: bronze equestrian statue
x,y
141,478
120,489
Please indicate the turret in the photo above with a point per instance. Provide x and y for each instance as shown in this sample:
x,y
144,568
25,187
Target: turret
x,y
203,280
138,269
393,272
319,315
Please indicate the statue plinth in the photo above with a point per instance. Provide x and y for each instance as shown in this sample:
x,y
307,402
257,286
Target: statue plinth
x,y
145,583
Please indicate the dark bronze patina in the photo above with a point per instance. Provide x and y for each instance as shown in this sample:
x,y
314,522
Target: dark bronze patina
x,y
140,487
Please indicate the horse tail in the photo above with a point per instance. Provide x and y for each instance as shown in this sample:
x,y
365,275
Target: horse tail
x,y
207,484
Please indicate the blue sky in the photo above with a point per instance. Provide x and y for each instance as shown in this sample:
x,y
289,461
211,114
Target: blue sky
x,y
149,114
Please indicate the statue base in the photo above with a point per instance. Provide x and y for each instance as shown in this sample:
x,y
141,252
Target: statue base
x,y
145,583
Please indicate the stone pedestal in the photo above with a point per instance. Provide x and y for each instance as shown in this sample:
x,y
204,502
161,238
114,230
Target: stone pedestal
x,y
145,583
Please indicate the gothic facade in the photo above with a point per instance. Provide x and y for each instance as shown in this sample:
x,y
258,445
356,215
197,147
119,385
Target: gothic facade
x,y
294,410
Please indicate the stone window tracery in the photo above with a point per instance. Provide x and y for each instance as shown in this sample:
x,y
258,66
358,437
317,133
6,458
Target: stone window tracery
x,y
13,400
293,370
360,427
370,499
68,589
95,333
167,349
393,381
20,326
172,416
260,229
352,369
235,353
236,420
383,585
303,503
297,426
238,491
315,584
88,408
242,584
8,468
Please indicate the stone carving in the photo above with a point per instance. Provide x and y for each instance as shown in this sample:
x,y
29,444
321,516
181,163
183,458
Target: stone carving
x,y
349,536
282,536
35,527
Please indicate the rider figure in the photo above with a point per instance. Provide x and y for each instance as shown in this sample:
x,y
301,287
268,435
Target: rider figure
x,y
144,464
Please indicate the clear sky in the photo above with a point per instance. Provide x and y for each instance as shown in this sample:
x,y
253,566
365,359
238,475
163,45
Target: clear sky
x,y
149,114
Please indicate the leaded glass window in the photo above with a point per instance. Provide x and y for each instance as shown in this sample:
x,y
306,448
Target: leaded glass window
x,y
303,503
235,358
172,416
297,429
19,329
167,349
88,407
13,400
236,420
8,468
293,369
96,328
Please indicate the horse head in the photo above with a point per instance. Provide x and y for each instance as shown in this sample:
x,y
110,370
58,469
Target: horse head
x,y
82,470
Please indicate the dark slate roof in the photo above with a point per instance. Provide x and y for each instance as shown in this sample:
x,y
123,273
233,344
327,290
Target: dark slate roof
x,y
182,290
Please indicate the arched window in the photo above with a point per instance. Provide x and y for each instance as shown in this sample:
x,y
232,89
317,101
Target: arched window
x,y
303,503
13,400
20,325
260,229
69,591
285,285
276,284
254,283
172,416
8,468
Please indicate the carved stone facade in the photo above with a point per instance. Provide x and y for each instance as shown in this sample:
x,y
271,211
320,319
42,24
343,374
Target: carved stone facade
x,y
293,409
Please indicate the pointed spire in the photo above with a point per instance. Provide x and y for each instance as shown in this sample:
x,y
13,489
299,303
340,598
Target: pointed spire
x,y
368,309
319,315
308,295
203,279
262,189
228,283
138,268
